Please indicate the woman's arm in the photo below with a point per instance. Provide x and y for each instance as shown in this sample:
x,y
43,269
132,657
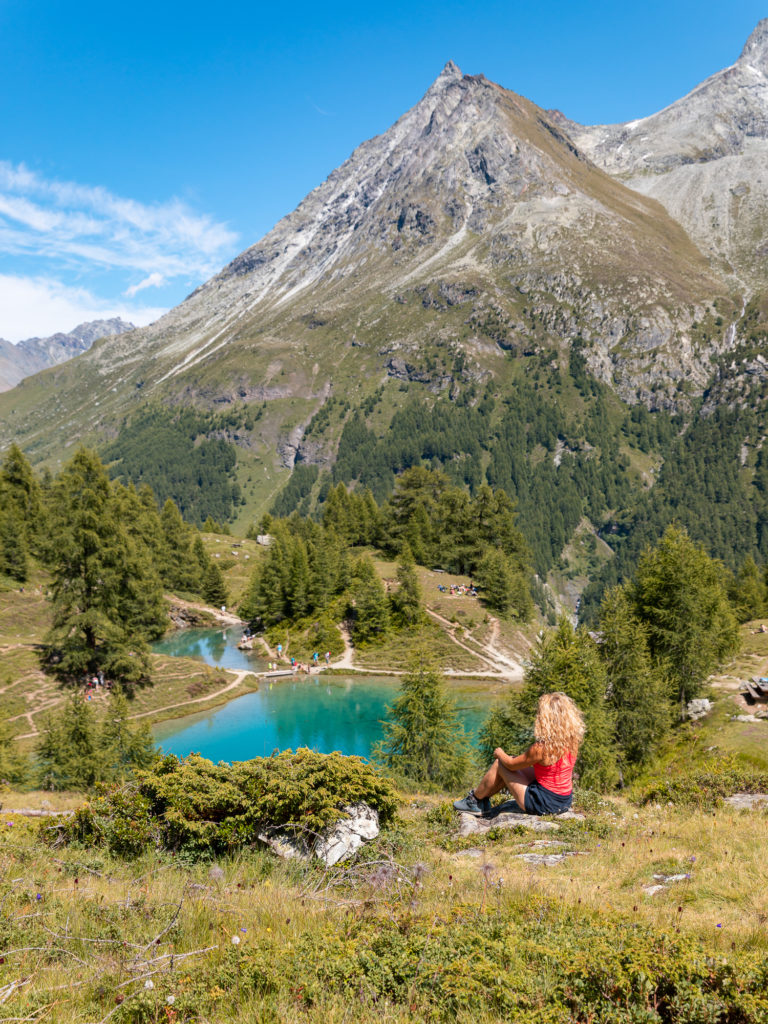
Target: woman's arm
x,y
530,757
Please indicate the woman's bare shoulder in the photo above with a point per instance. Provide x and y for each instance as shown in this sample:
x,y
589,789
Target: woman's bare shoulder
x,y
538,752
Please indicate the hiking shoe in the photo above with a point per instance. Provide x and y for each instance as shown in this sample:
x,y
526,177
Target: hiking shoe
x,y
471,805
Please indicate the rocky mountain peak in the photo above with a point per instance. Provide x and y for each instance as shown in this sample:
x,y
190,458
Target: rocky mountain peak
x,y
755,50
450,73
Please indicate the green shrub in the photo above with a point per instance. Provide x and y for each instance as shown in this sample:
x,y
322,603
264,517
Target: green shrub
x,y
205,809
705,785
527,965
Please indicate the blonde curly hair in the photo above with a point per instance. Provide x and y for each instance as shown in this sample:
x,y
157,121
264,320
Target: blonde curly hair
x,y
559,725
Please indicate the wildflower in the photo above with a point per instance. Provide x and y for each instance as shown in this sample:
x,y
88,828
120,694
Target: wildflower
x,y
235,940
243,929
216,873
692,858
149,984
39,896
170,1000
419,870
718,926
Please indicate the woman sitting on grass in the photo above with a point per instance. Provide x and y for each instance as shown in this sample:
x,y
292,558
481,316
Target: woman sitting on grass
x,y
541,779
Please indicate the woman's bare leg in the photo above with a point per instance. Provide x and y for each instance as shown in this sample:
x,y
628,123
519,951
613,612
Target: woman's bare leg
x,y
498,777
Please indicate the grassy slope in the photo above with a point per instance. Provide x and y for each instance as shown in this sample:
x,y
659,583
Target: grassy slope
x,y
99,928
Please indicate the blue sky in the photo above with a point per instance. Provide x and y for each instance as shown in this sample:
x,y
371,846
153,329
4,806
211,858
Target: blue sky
x,y
145,145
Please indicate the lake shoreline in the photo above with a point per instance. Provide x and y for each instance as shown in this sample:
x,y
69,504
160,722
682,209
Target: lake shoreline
x,y
257,708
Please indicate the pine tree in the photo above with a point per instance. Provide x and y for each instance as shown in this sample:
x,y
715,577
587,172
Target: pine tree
x,y
680,594
14,555
747,592
201,555
298,581
424,740
20,490
568,661
107,600
180,566
214,588
123,748
638,691
14,766
76,751
494,577
407,601
336,514
265,597
68,754
371,609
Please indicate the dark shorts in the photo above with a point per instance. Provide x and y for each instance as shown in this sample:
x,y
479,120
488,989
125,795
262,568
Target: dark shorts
x,y
539,800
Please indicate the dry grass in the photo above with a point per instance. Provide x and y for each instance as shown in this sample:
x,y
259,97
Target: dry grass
x,y
101,928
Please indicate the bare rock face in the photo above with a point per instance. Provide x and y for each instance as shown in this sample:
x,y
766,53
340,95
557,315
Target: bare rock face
x,y
478,222
704,159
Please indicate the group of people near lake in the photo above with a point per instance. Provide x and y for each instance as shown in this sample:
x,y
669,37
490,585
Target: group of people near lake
x,y
469,590
297,666
541,779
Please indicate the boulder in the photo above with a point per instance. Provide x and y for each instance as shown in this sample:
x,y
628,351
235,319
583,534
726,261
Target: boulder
x,y
509,815
546,860
698,708
347,836
335,844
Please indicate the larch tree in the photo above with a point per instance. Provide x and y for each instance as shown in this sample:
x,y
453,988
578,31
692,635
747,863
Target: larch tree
x,y
680,593
424,741
107,599
407,601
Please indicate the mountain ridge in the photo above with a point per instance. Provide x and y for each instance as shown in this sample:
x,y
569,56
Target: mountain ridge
x,y
703,157
31,355
470,267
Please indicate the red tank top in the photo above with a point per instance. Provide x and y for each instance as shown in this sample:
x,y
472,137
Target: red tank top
x,y
557,777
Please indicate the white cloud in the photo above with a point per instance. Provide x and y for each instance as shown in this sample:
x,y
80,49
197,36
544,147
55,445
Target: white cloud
x,y
89,225
38,307
154,280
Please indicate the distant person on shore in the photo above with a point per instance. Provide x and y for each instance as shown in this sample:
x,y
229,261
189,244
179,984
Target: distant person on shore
x,y
541,779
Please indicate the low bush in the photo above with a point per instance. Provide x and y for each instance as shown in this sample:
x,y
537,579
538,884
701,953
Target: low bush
x,y
522,966
704,785
205,809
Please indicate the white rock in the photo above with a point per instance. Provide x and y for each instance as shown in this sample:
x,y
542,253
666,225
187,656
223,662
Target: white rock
x,y
347,836
748,801
335,844
544,859
698,708
509,815
651,890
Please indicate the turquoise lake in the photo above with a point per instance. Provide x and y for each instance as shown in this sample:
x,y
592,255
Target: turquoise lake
x,y
324,712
